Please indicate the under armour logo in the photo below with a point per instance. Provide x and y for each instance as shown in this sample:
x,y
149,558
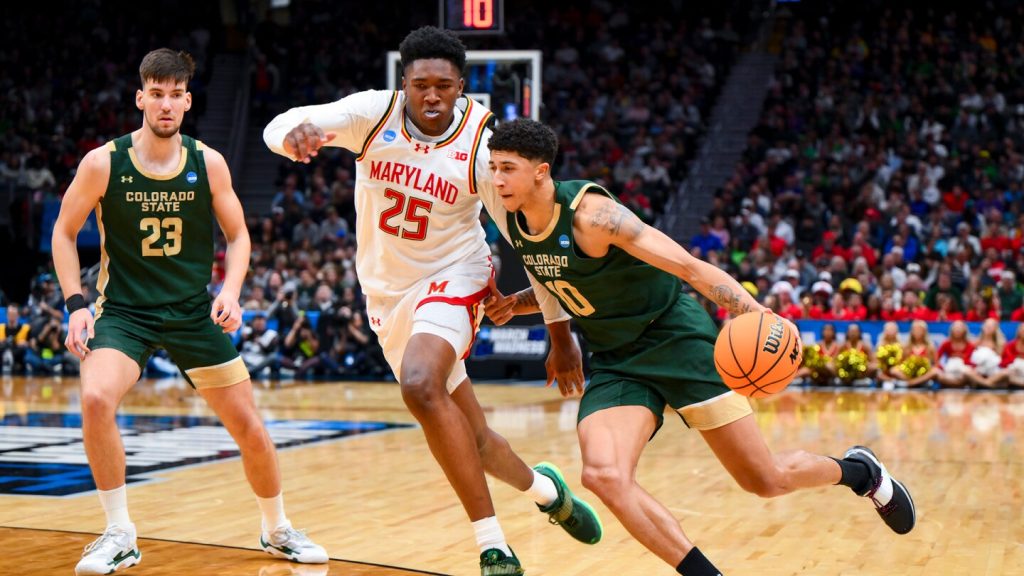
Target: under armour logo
x,y
519,243
422,148
127,179
375,321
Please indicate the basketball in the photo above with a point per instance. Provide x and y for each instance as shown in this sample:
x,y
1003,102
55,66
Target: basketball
x,y
758,354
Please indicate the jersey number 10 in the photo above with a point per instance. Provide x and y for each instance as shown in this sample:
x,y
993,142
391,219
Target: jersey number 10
x,y
571,297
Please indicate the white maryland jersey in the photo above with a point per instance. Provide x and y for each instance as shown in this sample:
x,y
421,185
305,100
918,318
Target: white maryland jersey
x,y
416,203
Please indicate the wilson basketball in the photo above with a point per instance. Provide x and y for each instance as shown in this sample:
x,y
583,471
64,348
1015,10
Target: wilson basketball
x,y
758,354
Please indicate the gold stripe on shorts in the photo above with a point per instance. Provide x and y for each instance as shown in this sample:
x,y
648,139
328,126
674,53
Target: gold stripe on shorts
x,y
716,412
219,376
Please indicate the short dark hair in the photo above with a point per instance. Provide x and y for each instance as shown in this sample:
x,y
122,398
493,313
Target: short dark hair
x,y
431,42
528,138
165,64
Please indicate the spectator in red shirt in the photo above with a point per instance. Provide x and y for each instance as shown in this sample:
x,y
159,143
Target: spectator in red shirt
x,y
855,309
982,309
914,309
956,199
829,247
947,311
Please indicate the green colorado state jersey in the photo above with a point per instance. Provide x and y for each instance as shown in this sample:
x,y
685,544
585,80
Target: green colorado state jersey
x,y
613,298
156,231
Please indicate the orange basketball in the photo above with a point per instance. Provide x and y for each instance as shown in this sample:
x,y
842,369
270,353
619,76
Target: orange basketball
x,y
758,354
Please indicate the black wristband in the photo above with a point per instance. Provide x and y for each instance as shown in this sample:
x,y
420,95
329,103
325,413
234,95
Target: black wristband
x,y
75,302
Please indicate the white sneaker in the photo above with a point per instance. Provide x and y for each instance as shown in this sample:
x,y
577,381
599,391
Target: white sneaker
x,y
114,550
291,544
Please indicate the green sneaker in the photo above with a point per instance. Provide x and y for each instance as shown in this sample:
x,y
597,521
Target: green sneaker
x,y
571,513
494,562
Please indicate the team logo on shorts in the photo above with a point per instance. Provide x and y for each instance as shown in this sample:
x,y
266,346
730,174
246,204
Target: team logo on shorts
x,y
42,453
191,177
389,135
563,241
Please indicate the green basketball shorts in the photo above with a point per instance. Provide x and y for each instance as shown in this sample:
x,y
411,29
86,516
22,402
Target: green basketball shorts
x,y
199,347
671,364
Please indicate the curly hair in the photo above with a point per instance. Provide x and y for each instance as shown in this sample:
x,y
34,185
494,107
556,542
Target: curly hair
x,y
528,138
166,64
430,42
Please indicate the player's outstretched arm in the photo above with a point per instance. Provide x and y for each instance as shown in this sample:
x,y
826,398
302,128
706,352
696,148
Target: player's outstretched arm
x,y
600,222
226,312
83,195
300,132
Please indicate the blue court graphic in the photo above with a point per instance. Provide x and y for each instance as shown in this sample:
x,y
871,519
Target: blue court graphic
x,y
42,453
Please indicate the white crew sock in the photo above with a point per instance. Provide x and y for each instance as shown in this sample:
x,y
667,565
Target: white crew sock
x,y
489,535
115,506
543,491
272,510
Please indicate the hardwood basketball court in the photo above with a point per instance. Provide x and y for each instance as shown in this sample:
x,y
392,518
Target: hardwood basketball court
x,y
381,506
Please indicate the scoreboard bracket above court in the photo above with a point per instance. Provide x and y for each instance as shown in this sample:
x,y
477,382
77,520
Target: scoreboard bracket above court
x,y
472,16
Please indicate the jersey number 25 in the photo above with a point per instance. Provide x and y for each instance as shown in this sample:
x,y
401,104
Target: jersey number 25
x,y
417,221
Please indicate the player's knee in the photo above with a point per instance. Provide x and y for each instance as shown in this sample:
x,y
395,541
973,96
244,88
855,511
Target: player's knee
x,y
605,481
421,391
98,404
252,436
766,483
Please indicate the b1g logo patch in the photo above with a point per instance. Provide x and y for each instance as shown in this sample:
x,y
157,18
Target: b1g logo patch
x,y
42,453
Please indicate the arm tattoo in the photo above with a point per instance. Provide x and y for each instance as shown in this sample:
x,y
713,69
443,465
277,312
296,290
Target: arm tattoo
x,y
616,219
606,218
527,298
725,297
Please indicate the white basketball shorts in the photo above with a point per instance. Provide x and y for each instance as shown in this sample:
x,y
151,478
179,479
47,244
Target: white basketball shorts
x,y
448,304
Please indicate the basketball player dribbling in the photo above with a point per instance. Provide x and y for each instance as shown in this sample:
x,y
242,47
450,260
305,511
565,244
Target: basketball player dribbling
x,y
421,172
652,345
156,193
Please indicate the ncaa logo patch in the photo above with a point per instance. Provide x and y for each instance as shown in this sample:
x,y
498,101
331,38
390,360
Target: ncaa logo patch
x,y
563,241
389,135
191,177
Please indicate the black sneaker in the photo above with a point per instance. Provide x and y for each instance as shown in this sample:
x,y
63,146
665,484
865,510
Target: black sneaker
x,y
891,499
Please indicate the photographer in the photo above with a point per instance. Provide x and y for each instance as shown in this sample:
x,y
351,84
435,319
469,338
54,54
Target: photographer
x,y
258,347
14,333
301,347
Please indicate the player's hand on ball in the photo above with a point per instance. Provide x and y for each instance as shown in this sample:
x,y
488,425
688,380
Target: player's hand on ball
x,y
226,313
302,142
80,330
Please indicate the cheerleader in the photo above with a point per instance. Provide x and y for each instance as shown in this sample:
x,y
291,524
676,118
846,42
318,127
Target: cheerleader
x,y
855,341
823,372
987,356
918,346
889,350
955,357
1013,359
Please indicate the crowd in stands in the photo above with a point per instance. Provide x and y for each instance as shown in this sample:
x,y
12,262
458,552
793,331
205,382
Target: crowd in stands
x,y
885,178
883,182
627,92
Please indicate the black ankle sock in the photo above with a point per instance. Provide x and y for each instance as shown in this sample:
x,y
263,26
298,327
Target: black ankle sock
x,y
695,564
855,475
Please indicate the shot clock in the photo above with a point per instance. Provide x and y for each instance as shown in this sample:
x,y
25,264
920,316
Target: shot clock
x,y
473,16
